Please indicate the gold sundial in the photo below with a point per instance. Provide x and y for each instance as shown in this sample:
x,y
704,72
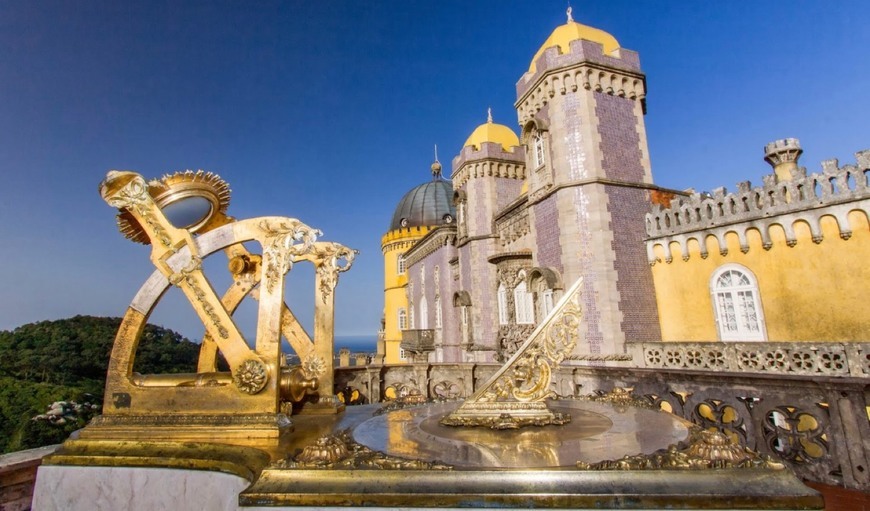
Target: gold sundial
x,y
183,218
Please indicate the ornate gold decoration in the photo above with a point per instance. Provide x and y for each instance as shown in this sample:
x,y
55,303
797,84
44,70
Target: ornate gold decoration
x,y
339,452
204,404
251,376
314,366
704,449
175,187
331,255
515,395
621,397
285,240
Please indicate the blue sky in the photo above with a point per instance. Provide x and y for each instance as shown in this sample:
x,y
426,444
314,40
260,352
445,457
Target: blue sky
x,y
328,111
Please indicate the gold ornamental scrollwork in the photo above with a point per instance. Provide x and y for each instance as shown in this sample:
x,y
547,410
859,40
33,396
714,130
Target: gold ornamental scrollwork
x,y
251,377
313,366
341,452
704,449
331,256
515,395
135,198
285,241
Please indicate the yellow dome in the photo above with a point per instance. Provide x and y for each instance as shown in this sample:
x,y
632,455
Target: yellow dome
x,y
492,132
572,31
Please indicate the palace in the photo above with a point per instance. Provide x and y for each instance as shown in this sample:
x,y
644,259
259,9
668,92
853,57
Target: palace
x,y
474,263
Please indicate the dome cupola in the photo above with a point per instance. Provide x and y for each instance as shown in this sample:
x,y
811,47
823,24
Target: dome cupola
x,y
572,31
492,132
429,204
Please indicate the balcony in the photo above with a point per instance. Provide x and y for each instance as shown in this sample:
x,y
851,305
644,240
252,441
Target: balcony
x,y
418,341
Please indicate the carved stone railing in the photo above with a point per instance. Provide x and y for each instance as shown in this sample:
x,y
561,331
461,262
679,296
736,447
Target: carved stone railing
x,y
815,422
792,358
418,341
834,185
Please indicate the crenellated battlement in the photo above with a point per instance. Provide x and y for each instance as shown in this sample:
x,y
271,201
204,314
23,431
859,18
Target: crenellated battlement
x,y
584,67
833,192
491,160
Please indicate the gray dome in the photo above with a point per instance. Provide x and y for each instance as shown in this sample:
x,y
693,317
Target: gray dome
x,y
429,204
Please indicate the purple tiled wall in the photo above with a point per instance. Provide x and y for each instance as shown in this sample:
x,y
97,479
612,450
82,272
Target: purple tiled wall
x,y
549,250
620,142
620,147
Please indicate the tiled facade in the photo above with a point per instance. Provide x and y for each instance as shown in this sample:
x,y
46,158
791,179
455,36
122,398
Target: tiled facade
x,y
566,202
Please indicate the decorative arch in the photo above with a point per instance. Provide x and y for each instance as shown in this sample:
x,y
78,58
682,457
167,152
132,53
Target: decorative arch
x,y
737,304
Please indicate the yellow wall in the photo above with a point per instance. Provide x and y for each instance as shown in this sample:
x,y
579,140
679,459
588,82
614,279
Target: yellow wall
x,y
809,292
394,244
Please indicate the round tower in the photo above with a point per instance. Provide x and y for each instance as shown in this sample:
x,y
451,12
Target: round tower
x,y
420,210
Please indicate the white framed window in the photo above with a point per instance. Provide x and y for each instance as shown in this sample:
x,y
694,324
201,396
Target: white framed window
x,y
402,353
540,155
438,319
424,314
502,305
523,304
737,304
411,316
547,301
463,311
403,319
400,264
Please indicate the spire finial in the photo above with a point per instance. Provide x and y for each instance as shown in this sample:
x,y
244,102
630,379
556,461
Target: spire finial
x,y
568,12
489,115
436,166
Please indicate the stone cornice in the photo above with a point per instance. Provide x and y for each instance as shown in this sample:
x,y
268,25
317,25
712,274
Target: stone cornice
x,y
491,160
436,239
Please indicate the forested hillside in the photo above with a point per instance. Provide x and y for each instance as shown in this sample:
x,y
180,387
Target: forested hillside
x,y
66,360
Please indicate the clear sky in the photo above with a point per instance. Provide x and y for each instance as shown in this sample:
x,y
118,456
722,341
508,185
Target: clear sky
x,y
328,112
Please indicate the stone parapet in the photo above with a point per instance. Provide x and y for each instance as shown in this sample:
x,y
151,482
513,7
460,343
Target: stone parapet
x,y
584,67
794,358
491,160
833,192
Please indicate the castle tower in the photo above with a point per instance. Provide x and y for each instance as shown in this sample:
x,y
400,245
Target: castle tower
x,y
422,209
581,107
783,156
487,176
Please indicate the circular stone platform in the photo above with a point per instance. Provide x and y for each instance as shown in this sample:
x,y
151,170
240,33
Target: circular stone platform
x,y
597,432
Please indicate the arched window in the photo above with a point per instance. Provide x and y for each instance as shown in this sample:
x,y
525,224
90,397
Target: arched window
x,y
403,319
738,306
400,264
424,314
502,305
540,157
525,308
438,318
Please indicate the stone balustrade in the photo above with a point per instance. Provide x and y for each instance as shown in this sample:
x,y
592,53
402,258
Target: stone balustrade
x,y
803,193
791,358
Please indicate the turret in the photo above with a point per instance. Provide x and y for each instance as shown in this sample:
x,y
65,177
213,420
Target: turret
x,y
783,155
